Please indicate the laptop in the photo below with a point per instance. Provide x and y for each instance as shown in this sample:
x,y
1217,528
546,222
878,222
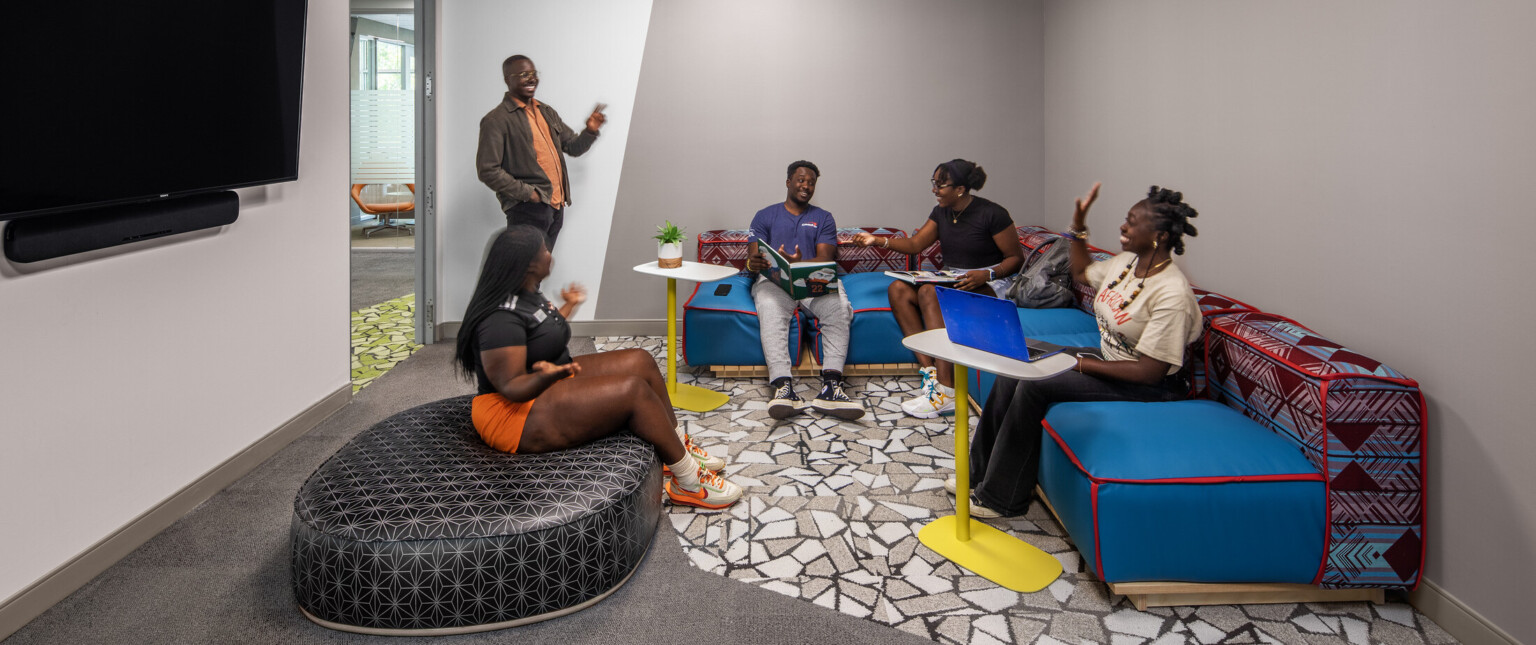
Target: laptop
x,y
990,325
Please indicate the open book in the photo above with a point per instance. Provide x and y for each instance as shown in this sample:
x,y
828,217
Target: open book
x,y
798,279
927,277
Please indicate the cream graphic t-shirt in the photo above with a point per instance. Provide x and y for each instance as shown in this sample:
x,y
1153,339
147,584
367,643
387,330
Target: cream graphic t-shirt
x,y
1160,322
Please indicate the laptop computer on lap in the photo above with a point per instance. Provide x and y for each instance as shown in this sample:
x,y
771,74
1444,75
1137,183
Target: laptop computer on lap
x,y
990,325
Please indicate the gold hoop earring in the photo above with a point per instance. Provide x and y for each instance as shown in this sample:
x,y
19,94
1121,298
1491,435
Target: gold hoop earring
x,y
1154,245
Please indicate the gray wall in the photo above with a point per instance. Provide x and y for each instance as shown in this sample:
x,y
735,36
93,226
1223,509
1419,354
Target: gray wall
x,y
875,92
1364,168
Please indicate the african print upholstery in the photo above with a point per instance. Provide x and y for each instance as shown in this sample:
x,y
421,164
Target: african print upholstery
x,y
1361,424
729,247
416,524
723,330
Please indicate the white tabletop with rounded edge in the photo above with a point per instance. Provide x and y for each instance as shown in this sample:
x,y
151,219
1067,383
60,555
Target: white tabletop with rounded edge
x,y
935,343
695,271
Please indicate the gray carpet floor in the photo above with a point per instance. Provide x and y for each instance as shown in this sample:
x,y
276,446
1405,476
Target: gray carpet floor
x,y
379,275
220,574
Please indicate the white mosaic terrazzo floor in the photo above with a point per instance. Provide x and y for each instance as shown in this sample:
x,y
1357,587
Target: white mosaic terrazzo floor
x,y
833,509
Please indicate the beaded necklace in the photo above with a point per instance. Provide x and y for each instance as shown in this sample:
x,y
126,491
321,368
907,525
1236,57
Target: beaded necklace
x,y
1128,271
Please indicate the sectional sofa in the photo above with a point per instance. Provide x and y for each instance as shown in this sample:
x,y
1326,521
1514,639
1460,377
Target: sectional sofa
x,y
1294,473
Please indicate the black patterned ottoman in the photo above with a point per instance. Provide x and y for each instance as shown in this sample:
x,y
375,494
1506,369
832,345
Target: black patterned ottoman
x,y
417,527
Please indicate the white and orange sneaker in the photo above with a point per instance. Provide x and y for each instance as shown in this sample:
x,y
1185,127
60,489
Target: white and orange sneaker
x,y
714,491
931,403
705,459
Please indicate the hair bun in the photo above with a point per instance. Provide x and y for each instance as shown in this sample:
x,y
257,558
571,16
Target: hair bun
x,y
977,178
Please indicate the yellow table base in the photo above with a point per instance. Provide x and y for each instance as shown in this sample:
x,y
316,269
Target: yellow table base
x,y
695,398
981,549
992,554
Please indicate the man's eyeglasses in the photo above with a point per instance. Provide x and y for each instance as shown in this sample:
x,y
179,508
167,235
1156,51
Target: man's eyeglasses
x,y
937,185
530,75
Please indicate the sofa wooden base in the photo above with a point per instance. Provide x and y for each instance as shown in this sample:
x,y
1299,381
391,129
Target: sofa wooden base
x,y
809,367
1195,594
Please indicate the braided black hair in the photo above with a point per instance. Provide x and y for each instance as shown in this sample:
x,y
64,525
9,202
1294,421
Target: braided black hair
x,y
1171,215
962,173
802,164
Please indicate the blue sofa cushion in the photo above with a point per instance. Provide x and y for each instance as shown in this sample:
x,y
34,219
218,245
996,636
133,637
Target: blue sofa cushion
x,y
873,336
723,329
1182,491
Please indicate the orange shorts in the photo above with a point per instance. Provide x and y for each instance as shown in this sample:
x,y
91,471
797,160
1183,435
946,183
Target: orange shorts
x,y
500,420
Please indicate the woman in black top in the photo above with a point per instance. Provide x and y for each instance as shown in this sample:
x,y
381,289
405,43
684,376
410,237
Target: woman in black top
x,y
536,398
976,236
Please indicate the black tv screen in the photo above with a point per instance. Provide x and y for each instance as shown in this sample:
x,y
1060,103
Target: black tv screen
x,y
120,102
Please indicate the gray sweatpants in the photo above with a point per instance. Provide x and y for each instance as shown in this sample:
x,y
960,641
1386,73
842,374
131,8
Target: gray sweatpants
x,y
774,310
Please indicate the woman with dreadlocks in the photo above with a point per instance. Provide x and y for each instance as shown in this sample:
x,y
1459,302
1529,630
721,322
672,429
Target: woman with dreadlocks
x,y
1146,314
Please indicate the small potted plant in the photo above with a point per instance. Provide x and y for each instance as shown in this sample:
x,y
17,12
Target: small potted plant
x,y
669,245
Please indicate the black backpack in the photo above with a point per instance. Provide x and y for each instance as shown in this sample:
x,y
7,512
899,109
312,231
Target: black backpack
x,y
1047,283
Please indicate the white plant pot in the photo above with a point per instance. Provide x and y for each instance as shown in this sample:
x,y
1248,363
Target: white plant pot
x,y
669,256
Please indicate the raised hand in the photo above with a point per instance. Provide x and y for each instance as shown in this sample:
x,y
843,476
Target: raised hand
x,y
597,119
573,294
1080,213
792,257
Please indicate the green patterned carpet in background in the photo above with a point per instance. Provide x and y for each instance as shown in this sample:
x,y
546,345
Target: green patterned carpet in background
x,y
382,336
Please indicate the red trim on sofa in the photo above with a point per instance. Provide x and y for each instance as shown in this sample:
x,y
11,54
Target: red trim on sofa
x,y
1098,545
1223,479
1322,411
860,311
1332,376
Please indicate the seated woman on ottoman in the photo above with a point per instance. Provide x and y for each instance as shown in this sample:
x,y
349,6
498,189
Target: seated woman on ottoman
x,y
534,397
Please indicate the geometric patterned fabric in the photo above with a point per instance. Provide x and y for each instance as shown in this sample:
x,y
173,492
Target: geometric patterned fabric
x,y
1360,422
416,524
729,247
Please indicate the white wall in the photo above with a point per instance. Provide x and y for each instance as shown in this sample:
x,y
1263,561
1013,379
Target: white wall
x,y
1364,168
127,375
587,51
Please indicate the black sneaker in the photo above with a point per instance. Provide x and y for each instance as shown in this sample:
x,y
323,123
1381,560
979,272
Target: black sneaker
x,y
832,400
785,403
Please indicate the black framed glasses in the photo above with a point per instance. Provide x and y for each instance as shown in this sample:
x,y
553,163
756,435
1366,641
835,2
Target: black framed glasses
x,y
937,185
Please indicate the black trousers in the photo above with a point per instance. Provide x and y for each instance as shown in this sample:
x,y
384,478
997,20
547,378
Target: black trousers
x,y
1005,450
539,215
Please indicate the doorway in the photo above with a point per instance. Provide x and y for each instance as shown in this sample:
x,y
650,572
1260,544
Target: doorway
x,y
386,209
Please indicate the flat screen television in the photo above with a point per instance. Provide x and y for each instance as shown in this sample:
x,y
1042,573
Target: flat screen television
x,y
129,102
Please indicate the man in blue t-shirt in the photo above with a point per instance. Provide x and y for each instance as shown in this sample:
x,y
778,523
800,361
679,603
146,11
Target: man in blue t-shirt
x,y
800,232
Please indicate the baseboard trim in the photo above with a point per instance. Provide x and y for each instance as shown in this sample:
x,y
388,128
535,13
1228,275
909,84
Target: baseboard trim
x,y
29,603
637,327
1456,618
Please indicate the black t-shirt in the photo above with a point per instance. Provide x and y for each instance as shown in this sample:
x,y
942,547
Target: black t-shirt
x,y
528,319
967,243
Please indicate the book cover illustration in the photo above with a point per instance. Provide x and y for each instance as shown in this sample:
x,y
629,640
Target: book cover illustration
x,y
798,279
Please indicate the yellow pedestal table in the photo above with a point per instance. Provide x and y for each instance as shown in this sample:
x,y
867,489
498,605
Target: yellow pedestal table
x,y
982,549
687,397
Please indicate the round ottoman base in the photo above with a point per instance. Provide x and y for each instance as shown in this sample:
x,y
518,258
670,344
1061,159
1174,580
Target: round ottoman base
x,y
470,629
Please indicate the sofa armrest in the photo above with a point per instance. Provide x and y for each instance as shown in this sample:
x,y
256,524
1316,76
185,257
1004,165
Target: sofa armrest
x,y
1360,422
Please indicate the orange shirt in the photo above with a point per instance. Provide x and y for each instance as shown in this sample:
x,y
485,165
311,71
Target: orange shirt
x,y
546,154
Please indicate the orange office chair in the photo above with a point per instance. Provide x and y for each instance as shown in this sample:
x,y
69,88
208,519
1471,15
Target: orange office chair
x,y
387,212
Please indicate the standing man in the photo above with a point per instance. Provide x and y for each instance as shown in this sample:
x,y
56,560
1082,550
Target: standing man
x,y
520,155
798,229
